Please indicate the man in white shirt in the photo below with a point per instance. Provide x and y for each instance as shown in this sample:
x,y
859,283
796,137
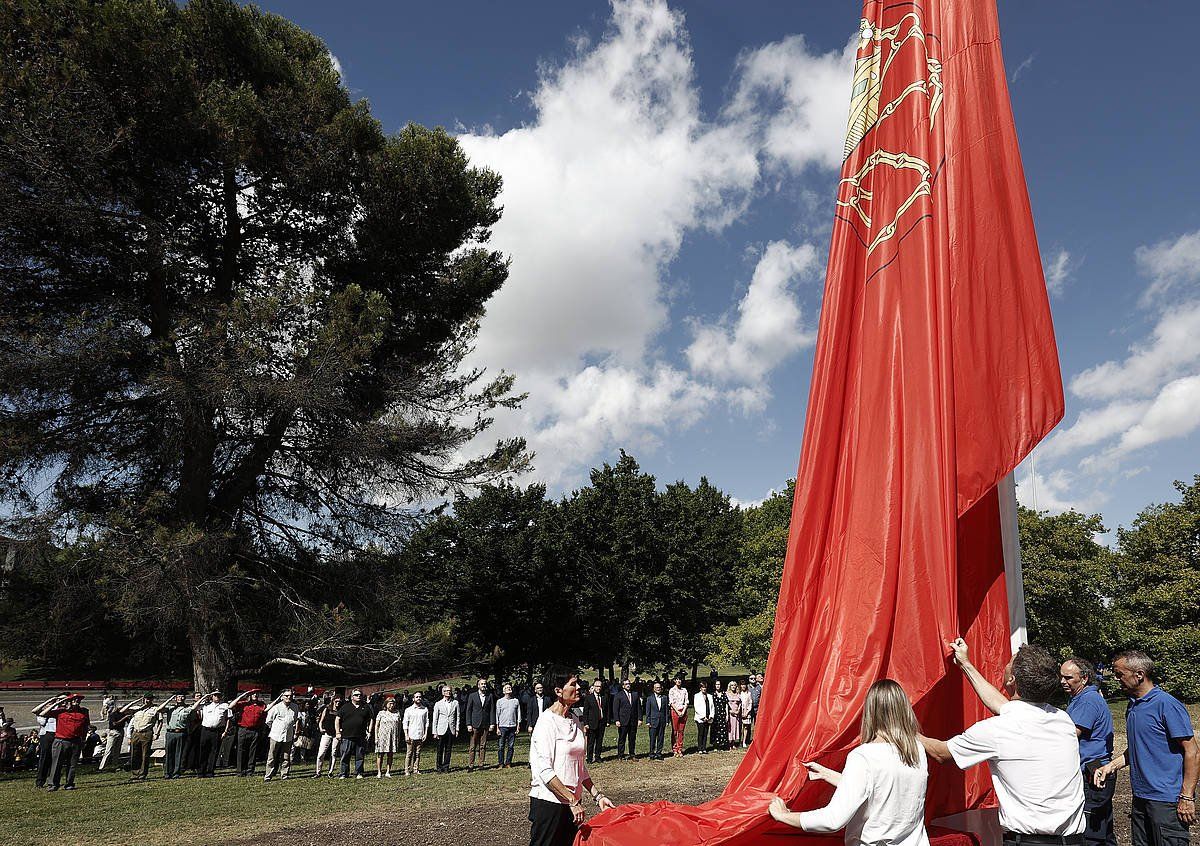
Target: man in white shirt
x,y
702,708
1030,746
214,714
678,697
282,718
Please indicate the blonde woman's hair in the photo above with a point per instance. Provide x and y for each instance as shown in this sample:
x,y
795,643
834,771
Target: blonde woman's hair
x,y
888,715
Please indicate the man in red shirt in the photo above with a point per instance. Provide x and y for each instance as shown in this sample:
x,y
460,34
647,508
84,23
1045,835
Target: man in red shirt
x,y
70,728
250,722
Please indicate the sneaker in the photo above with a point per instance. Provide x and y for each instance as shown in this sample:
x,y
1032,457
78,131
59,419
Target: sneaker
x,y
388,774
360,775
378,775
266,778
283,778
342,776
69,787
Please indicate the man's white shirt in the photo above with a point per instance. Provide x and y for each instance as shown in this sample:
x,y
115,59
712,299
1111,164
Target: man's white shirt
x,y
213,713
1033,752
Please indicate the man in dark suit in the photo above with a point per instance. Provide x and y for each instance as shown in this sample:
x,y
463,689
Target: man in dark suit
x,y
595,718
657,716
538,702
627,716
481,713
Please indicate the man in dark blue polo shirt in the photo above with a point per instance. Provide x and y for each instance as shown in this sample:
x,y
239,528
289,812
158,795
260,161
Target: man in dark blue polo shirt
x,y
1163,758
1094,727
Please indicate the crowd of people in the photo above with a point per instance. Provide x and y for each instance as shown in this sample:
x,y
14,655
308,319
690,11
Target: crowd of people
x,y
202,733
1054,771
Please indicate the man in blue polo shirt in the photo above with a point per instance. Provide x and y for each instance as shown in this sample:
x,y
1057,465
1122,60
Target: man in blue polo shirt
x,y
1163,758
1094,727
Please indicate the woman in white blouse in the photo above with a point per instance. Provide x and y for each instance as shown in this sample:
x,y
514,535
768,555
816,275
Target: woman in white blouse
x,y
557,749
880,796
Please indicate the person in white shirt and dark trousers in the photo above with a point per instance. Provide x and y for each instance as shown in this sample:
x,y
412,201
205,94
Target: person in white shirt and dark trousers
x,y
559,774
1030,746
880,795
703,708
282,719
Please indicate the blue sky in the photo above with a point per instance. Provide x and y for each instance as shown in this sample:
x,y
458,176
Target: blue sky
x,y
669,174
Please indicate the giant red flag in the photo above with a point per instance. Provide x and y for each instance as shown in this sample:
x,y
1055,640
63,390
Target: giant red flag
x,y
935,373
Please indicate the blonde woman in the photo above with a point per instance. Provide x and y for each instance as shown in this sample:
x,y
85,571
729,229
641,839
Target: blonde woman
x,y
880,795
387,736
734,698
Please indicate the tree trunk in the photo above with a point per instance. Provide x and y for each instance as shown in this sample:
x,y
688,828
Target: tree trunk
x,y
212,660
695,669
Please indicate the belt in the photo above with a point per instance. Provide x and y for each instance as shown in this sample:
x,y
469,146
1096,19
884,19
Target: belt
x,y
1043,839
173,731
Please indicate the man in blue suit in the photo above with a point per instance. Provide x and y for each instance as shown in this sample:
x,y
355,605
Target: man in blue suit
x,y
627,716
657,711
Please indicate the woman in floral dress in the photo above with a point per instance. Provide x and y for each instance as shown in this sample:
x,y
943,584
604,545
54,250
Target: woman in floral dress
x,y
720,726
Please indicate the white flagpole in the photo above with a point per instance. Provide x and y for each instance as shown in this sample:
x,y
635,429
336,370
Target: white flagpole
x,y
1013,578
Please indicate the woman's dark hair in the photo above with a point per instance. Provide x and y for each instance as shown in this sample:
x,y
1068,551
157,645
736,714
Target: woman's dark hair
x,y
1036,674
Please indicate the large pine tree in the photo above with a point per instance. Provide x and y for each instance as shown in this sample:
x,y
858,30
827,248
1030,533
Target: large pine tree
x,y
233,316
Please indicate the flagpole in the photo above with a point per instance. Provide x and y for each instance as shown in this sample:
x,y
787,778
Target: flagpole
x,y
1014,582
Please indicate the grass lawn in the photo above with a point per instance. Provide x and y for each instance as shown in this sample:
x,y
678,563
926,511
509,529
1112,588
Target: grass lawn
x,y
107,808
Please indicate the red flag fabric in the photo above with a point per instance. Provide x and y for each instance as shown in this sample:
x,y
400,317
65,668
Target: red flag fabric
x,y
935,373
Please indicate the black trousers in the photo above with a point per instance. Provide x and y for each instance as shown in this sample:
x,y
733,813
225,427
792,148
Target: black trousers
x,y
550,823
210,744
247,750
657,733
627,734
444,746
1098,811
191,750
1156,824
702,736
45,745
595,743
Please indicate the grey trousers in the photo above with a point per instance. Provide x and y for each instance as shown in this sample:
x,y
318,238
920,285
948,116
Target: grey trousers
x,y
173,763
64,755
1155,824
112,748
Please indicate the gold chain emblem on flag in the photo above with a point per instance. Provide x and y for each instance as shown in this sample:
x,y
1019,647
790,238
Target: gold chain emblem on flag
x,y
871,68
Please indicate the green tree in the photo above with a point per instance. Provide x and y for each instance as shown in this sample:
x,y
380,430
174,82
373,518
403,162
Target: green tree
x,y
489,566
233,315
694,591
611,547
1069,578
747,640
1157,595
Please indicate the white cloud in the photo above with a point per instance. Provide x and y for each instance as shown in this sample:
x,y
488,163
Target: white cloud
x,y
1093,426
1055,491
1174,413
769,326
1058,271
799,99
617,166
337,66
1170,265
1172,349
1021,68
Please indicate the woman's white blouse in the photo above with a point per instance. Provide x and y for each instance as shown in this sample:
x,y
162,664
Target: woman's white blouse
x,y
880,800
557,747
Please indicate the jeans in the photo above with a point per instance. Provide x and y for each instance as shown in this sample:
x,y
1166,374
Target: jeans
x,y
353,747
657,734
139,753
445,744
1156,824
173,763
64,754
508,741
326,751
247,750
